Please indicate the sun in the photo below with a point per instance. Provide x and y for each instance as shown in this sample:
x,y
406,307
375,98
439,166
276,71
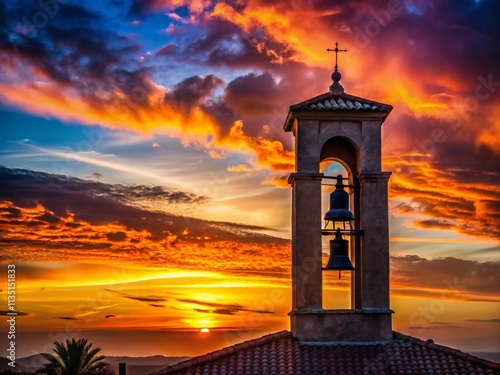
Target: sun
x,y
204,330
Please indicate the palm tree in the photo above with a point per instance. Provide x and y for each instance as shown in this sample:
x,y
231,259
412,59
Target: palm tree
x,y
75,358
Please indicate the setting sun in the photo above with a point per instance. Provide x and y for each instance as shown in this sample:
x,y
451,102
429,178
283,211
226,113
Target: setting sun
x,y
204,330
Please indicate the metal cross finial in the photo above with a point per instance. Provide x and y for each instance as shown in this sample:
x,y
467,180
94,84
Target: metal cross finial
x,y
336,50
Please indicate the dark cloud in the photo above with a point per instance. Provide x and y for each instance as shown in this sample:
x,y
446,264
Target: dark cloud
x,y
458,277
466,49
110,316
101,66
253,97
49,218
483,320
77,49
166,50
221,113
466,45
222,309
434,326
441,138
7,312
138,298
470,209
98,203
140,8
199,244
251,45
66,318
128,192
263,99
433,224
238,51
87,57
446,171
192,91
202,310
253,94
91,201
224,43
10,213
156,305
404,208
118,236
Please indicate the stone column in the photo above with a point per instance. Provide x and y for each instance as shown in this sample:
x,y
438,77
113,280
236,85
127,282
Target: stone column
x,y
306,241
375,242
356,283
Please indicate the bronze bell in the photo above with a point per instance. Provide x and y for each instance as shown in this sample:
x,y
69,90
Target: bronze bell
x,y
339,258
339,204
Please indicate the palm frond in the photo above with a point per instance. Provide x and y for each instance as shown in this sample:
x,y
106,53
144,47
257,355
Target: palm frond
x,y
75,357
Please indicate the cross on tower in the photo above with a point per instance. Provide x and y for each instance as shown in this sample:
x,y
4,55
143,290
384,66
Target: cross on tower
x,y
336,50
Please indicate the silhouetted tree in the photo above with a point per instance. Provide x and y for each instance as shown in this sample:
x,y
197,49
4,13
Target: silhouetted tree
x,y
75,358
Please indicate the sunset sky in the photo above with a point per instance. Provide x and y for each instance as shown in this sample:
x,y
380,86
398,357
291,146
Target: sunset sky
x,y
143,164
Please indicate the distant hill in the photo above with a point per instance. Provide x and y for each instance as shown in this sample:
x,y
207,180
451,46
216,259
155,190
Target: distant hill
x,y
142,365
4,366
135,365
490,356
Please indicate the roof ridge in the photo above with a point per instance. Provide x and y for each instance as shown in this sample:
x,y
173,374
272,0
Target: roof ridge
x,y
328,103
229,350
329,94
429,343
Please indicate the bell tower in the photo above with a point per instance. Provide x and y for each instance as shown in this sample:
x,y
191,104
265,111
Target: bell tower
x,y
336,126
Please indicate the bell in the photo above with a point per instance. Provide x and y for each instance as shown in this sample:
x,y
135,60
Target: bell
x,y
339,260
339,204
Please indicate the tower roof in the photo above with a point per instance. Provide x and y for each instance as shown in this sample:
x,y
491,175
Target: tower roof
x,y
335,102
280,353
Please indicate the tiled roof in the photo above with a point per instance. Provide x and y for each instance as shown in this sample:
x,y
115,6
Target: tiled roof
x,y
331,101
280,353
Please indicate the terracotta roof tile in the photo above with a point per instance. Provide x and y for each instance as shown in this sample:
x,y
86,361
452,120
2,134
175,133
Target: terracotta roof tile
x,y
280,353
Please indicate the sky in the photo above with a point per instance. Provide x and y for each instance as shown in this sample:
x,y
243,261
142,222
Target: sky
x,y
143,192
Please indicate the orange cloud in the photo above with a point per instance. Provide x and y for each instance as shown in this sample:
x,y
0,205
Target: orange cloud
x,y
288,24
116,110
152,115
80,241
437,111
281,182
444,278
238,168
436,199
269,153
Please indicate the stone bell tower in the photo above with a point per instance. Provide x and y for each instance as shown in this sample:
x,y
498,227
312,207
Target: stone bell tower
x,y
336,126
